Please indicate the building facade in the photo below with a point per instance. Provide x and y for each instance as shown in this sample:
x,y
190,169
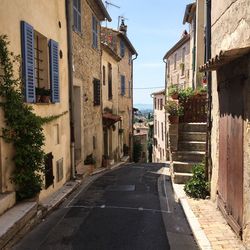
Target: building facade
x,y
44,60
121,45
160,153
178,63
87,76
230,21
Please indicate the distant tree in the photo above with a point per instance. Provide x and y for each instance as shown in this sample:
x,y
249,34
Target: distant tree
x,y
137,151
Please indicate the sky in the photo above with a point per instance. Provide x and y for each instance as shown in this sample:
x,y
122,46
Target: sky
x,y
154,26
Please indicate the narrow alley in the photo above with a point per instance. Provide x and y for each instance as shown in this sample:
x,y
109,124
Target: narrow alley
x,y
132,207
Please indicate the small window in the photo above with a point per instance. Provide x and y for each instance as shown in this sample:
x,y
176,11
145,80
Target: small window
x,y
103,75
175,60
77,15
110,94
122,48
122,85
162,134
49,177
96,87
94,142
129,89
94,32
155,103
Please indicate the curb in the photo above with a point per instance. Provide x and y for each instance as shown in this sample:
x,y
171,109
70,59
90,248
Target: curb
x,y
194,224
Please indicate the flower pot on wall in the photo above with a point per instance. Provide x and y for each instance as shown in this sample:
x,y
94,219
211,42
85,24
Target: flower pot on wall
x,y
173,119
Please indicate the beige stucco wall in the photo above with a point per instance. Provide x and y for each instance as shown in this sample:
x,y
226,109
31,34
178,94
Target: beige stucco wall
x,y
159,118
173,74
44,17
230,30
87,66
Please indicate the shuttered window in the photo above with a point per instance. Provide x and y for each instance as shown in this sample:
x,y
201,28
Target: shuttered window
x,y
97,93
54,71
94,32
122,48
28,65
77,15
122,85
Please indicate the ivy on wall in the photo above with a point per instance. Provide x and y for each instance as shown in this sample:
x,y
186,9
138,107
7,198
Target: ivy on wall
x,y
23,128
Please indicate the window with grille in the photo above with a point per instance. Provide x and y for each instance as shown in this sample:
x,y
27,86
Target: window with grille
x,y
77,15
96,87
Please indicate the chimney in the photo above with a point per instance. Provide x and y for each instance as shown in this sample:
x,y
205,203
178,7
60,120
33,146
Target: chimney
x,y
123,27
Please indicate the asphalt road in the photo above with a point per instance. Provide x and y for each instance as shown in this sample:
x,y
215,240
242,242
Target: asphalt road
x,y
129,208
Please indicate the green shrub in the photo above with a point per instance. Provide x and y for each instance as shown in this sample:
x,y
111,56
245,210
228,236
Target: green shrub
x,y
197,186
173,108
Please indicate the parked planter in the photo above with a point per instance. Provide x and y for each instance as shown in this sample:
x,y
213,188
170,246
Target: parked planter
x,y
173,119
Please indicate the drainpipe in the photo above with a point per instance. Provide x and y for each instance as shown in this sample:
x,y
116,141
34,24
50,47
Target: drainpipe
x,y
209,91
69,8
194,54
132,103
166,116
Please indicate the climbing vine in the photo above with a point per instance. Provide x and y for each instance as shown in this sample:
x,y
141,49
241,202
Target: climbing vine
x,y
23,128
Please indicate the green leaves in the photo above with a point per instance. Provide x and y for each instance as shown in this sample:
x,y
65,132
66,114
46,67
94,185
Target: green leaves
x,y
197,186
23,128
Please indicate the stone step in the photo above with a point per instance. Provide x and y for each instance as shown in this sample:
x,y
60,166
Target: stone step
x,y
192,136
183,167
7,200
189,156
193,127
182,178
191,146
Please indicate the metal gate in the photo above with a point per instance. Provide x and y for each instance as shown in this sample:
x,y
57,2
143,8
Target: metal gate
x,y
230,190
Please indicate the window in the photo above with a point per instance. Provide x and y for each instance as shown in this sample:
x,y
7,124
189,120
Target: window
x,y
158,101
129,59
94,32
155,102
123,85
49,177
96,86
122,48
129,89
77,15
162,134
183,60
110,95
103,75
40,66
155,126
175,60
161,104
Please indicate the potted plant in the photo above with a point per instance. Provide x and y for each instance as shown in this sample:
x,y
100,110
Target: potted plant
x,y
43,95
174,110
173,91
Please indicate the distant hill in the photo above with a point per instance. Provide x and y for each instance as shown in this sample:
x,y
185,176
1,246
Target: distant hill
x,y
142,107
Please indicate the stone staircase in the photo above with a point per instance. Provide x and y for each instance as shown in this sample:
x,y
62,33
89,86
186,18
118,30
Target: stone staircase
x,y
191,150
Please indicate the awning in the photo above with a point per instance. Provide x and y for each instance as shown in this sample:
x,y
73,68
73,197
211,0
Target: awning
x,y
110,119
224,57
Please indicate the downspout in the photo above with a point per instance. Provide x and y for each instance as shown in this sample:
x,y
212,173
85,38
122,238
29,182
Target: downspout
x,y
166,116
209,91
132,103
69,8
194,54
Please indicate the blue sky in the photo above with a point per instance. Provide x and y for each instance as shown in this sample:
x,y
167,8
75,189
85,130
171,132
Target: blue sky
x,y
154,26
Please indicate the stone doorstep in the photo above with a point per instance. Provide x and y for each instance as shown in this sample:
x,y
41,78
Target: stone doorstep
x,y
12,221
7,200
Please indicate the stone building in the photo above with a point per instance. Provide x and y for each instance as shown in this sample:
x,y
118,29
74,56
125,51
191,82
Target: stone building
x,y
230,66
159,138
121,44
112,129
177,72
39,28
194,16
86,35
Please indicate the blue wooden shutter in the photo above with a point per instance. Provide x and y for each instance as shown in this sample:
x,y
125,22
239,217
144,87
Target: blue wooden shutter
x,y
28,66
54,71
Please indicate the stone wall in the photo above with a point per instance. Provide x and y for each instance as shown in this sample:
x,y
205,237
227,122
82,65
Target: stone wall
x,y
87,66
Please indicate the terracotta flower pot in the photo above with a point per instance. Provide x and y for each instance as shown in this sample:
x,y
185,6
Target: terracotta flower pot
x,y
175,96
173,119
